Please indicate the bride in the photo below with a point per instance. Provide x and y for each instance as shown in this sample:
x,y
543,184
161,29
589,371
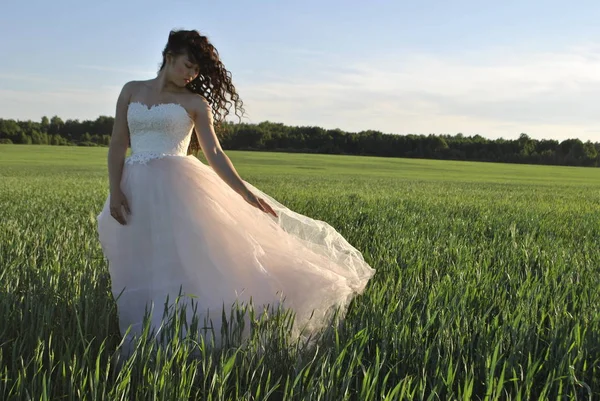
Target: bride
x,y
173,228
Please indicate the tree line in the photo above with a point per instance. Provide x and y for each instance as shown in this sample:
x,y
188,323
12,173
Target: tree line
x,y
270,136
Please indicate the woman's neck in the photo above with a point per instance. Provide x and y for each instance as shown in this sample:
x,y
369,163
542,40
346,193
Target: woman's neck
x,y
161,84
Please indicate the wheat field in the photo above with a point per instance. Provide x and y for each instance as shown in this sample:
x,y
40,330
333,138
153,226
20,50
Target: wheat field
x,y
487,285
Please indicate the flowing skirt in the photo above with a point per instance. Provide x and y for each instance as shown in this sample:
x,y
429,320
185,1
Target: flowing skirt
x,y
191,236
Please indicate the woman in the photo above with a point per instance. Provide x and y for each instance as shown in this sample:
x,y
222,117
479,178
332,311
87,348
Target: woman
x,y
174,227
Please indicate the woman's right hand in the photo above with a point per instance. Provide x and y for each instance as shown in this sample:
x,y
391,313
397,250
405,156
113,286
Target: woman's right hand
x,y
118,202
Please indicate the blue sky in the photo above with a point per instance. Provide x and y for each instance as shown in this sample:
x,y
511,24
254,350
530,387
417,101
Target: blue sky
x,y
477,67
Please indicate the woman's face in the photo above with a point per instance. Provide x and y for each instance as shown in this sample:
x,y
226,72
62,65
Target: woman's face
x,y
183,71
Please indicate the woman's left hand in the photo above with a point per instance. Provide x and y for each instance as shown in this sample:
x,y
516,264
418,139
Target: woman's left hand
x,y
259,203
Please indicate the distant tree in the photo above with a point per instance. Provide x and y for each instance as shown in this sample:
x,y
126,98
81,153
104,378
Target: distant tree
x,y
576,154
590,154
56,124
103,125
45,124
24,139
269,135
526,145
10,129
436,144
38,138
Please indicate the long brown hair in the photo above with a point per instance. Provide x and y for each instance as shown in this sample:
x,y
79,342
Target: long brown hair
x,y
214,80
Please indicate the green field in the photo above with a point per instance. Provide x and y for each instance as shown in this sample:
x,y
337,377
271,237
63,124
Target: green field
x,y
487,285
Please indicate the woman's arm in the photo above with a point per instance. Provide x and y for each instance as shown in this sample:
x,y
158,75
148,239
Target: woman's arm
x,y
119,139
217,158
117,148
211,147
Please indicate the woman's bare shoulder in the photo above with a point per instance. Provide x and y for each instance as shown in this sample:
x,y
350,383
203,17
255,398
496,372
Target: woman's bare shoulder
x,y
133,85
196,100
193,102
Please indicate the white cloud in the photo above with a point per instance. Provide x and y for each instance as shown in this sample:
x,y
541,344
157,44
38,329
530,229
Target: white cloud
x,y
500,92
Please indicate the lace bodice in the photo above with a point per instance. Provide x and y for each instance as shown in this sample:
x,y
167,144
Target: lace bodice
x,y
161,130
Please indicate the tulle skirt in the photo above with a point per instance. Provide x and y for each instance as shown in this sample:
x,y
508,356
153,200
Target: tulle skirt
x,y
191,237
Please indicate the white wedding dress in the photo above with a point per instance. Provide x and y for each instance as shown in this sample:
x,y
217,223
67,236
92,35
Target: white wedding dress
x,y
189,233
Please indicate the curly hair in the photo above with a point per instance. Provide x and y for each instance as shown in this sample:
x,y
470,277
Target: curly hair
x,y
213,82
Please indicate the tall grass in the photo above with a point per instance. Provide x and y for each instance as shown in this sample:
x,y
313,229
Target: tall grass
x,y
487,287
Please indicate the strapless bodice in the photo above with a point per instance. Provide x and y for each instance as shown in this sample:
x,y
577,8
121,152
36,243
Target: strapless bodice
x,y
161,130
